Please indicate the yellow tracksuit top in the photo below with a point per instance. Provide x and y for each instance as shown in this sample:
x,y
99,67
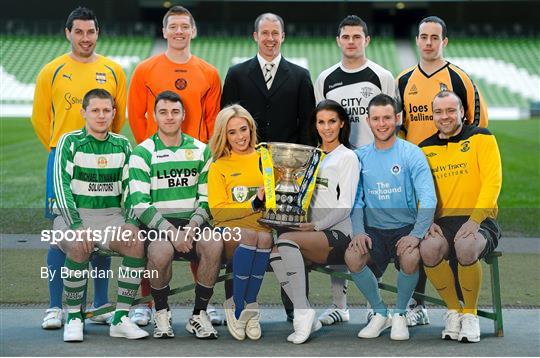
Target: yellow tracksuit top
x,y
60,87
232,184
467,172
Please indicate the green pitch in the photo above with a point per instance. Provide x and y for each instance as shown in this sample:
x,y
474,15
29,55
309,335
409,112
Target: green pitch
x,y
23,159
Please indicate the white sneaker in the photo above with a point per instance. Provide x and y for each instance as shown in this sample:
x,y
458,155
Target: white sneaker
x,y
416,314
314,328
334,315
53,318
200,326
376,326
73,330
105,318
452,325
303,324
127,329
233,326
141,315
215,317
253,326
163,324
470,329
399,331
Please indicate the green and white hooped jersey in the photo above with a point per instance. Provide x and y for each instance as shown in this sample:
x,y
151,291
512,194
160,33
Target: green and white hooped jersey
x,y
90,176
169,182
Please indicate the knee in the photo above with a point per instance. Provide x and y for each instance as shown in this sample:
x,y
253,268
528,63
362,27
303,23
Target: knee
x,y
160,255
211,249
264,240
410,262
248,237
136,249
431,251
76,252
354,260
465,251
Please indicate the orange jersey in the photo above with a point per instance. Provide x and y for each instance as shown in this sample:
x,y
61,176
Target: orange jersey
x,y
196,82
418,89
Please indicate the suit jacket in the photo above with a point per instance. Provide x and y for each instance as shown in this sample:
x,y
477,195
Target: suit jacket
x,y
283,112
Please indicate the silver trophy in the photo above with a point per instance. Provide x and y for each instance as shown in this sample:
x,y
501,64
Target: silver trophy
x,y
290,161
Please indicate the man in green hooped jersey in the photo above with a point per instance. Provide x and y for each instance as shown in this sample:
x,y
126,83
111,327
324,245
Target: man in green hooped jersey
x,y
168,175
90,179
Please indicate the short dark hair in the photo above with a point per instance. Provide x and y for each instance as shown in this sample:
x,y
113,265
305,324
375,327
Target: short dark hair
x,y
353,20
447,93
81,13
383,100
168,96
178,10
436,20
96,93
330,105
271,17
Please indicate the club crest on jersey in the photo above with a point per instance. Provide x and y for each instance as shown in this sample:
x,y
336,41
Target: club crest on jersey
x,y
240,193
101,162
189,154
180,84
366,92
443,87
465,146
396,169
101,77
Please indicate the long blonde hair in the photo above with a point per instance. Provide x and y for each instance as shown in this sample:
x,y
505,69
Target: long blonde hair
x,y
219,146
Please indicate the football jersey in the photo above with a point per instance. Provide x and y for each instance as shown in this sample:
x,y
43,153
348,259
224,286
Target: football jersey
x,y
60,89
417,91
196,82
353,89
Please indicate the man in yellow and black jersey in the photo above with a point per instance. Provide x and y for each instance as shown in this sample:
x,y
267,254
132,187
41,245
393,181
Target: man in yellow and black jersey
x,y
466,167
418,85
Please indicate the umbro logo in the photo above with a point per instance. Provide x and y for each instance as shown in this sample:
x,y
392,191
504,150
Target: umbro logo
x,y
413,90
163,156
429,155
235,174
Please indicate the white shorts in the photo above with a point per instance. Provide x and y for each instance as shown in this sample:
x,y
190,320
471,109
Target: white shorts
x,y
103,227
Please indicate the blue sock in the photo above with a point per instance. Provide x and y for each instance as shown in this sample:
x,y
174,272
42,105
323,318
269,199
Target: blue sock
x,y
258,269
405,288
367,284
242,262
55,261
101,285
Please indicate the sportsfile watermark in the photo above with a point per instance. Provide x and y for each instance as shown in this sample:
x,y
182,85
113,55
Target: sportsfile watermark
x,y
117,233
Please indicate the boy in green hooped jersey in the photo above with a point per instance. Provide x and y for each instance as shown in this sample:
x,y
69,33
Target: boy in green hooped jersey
x,y
90,179
168,175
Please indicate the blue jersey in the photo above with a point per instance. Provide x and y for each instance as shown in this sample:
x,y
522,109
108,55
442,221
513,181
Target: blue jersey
x,y
395,189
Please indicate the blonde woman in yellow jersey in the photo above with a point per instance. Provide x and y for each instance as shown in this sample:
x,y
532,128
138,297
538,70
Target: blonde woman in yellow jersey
x,y
60,88
235,196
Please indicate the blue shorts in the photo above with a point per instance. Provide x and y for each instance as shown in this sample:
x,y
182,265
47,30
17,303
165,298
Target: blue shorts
x,y
50,198
383,247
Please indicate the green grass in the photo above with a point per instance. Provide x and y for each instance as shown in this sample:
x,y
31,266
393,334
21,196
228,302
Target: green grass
x,y
21,282
23,160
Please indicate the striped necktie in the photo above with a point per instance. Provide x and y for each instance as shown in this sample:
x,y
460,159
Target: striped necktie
x,y
268,74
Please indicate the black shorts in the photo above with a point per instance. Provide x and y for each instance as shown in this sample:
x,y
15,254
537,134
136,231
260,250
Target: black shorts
x,y
179,224
338,242
489,229
383,247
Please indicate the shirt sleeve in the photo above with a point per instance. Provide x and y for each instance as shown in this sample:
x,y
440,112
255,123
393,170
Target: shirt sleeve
x,y
489,162
63,175
139,191
230,90
211,105
318,89
348,184
424,188
120,101
306,104
357,214
477,113
221,206
129,213
202,212
42,108
137,105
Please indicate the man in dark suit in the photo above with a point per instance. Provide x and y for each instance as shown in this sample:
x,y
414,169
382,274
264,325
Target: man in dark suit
x,y
277,93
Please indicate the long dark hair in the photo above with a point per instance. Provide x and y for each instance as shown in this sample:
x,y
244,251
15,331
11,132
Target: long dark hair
x,y
344,132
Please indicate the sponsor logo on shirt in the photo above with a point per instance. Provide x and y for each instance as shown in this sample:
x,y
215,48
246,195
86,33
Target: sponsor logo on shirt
x,y
101,77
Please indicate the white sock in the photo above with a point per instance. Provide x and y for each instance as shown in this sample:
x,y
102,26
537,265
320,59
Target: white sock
x,y
294,264
280,272
339,287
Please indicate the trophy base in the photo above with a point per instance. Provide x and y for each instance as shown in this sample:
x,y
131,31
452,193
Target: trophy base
x,y
277,224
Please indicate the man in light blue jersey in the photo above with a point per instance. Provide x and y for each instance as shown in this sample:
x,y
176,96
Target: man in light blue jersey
x,y
394,208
